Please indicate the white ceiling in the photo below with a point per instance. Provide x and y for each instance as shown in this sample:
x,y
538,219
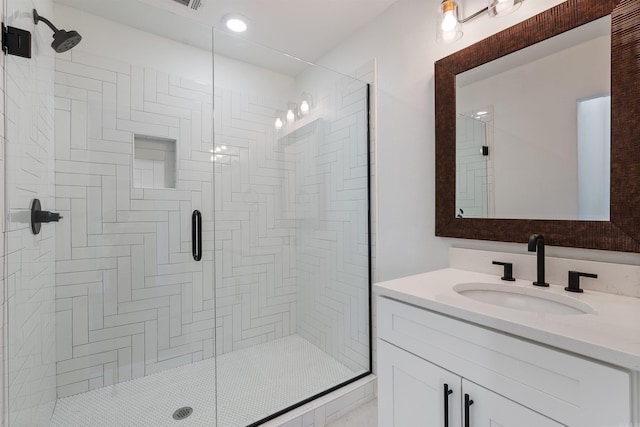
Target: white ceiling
x,y
306,29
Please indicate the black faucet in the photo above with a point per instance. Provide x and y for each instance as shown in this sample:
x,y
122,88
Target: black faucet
x,y
536,244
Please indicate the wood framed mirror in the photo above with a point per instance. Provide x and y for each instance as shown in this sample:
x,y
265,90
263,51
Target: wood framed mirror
x,y
622,231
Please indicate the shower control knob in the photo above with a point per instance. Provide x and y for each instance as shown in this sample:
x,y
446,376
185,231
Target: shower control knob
x,y
38,216
46,216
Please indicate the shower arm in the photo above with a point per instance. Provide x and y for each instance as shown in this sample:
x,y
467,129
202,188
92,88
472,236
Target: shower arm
x,y
37,18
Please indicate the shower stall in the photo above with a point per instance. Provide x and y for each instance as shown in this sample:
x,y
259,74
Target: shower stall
x,y
212,261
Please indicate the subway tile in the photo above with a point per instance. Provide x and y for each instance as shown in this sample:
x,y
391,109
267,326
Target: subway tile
x,y
94,114
150,343
109,106
141,128
64,339
110,292
124,364
65,166
156,119
89,265
98,347
80,320
62,91
123,93
77,81
124,280
85,71
78,222
79,111
150,84
128,318
110,373
101,62
109,197
122,187
116,332
62,134
63,104
138,356
137,87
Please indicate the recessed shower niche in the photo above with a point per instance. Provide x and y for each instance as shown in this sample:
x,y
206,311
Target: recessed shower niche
x,y
154,162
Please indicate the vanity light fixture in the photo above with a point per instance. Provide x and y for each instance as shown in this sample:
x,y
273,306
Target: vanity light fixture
x,y
306,103
450,24
236,23
291,113
280,118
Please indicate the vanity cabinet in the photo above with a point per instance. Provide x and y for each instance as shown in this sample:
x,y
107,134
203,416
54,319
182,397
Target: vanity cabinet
x,y
512,382
413,392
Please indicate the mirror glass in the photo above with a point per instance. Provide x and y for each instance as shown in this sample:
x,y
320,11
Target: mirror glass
x,y
533,131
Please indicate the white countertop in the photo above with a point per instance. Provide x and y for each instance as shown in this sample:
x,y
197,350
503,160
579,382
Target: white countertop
x,y
611,334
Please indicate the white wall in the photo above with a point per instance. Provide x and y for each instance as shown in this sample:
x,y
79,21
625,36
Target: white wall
x,y
403,40
535,141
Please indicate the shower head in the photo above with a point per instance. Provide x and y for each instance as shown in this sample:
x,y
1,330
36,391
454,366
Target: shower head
x,y
62,40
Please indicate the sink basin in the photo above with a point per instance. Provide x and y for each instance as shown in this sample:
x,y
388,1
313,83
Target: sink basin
x,y
524,299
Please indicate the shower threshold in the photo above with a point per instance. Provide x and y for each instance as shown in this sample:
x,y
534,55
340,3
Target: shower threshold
x,y
253,383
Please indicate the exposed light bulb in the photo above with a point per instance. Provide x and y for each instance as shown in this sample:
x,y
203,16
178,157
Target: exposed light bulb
x,y
449,22
290,115
304,108
279,123
504,6
449,36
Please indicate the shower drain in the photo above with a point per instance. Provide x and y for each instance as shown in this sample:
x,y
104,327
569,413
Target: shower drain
x,y
182,413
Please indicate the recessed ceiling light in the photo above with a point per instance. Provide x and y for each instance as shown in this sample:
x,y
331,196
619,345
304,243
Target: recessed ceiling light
x,y
236,23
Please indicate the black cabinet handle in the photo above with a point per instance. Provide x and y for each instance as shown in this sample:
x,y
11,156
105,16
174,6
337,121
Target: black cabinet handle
x,y
196,235
447,392
467,402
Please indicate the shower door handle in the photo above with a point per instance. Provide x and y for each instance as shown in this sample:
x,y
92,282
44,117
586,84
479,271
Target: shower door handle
x,y
196,235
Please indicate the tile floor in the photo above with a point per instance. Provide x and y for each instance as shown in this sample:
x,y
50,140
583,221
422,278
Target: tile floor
x,y
254,382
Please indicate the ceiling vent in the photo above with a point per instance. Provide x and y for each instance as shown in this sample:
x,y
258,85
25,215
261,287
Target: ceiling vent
x,y
191,4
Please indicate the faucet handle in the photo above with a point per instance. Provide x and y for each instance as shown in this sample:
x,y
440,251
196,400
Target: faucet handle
x,y
574,281
508,270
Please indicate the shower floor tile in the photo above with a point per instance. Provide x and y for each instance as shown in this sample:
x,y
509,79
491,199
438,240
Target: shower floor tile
x,y
254,383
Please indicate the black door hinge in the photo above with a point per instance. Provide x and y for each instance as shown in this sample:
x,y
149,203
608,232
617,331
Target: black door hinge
x,y
16,42
485,150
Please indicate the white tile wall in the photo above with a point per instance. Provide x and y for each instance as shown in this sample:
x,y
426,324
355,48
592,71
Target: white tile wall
x,y
125,299
255,228
331,224
30,294
130,299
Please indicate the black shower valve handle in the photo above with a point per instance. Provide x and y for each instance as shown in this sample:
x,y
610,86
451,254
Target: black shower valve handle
x,y
38,216
46,216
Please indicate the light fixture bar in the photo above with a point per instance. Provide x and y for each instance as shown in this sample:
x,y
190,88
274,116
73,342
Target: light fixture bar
x,y
475,15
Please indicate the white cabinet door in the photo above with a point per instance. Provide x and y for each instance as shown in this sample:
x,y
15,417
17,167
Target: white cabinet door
x,y
491,409
411,391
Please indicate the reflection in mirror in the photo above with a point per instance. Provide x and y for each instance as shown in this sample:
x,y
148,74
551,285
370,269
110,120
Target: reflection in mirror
x,y
543,114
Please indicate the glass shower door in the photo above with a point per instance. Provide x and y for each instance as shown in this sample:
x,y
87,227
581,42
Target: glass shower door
x,y
291,230
110,311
